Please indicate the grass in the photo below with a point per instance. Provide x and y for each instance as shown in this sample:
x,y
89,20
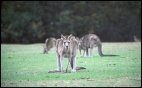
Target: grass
x,y
26,62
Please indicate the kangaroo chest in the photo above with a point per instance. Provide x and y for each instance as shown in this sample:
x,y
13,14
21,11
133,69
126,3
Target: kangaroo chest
x,y
66,52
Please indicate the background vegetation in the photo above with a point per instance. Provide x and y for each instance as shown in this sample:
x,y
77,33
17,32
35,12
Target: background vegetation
x,y
34,21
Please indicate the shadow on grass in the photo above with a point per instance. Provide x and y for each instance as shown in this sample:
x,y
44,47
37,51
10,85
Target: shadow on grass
x,y
104,55
56,71
109,55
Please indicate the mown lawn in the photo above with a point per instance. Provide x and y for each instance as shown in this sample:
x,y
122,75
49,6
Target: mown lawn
x,y
26,65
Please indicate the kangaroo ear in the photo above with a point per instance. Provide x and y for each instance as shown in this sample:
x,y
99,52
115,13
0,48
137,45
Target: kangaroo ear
x,y
70,36
62,37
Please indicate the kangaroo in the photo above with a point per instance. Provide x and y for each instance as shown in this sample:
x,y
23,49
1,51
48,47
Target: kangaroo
x,y
81,47
136,39
66,46
49,43
90,41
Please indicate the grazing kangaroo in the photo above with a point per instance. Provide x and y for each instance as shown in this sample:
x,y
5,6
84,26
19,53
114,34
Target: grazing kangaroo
x,y
49,43
90,41
66,46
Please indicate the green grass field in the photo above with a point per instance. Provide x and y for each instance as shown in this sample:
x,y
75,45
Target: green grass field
x,y
26,65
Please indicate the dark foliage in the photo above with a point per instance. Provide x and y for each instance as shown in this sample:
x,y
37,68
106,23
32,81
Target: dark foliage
x,y
34,21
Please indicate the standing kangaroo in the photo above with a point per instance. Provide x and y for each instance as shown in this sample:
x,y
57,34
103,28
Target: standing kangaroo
x,y
90,41
66,46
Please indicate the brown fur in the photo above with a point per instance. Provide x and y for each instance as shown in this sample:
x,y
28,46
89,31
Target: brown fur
x,y
49,43
66,47
88,42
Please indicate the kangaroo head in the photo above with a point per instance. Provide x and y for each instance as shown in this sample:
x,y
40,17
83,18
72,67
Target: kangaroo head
x,y
66,40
